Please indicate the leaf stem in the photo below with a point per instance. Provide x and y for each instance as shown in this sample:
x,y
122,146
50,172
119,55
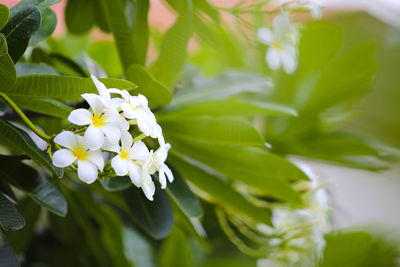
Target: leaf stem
x,y
24,118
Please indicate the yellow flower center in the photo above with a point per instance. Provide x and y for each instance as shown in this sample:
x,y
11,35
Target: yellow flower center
x,y
97,120
124,154
80,153
277,45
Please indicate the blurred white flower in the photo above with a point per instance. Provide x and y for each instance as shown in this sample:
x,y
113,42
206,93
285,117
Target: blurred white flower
x,y
159,158
315,8
76,150
282,42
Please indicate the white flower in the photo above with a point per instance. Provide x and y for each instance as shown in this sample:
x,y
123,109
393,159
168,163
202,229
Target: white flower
x,y
159,158
105,94
102,120
136,108
315,9
89,161
282,41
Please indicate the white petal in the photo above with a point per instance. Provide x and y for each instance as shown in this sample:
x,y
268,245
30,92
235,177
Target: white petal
x,y
162,179
120,166
281,24
94,137
80,116
134,173
128,111
289,60
142,100
114,147
126,140
273,59
148,186
95,102
316,11
87,171
66,139
112,133
96,157
101,88
265,36
139,151
63,158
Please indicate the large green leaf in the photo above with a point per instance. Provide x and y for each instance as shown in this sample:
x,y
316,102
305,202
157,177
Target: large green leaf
x,y
177,243
6,189
154,217
253,166
186,200
116,20
54,86
8,74
231,107
47,27
137,249
219,191
212,130
79,15
19,29
35,185
4,15
116,183
106,55
45,106
31,68
20,141
7,255
156,92
141,30
172,58
10,218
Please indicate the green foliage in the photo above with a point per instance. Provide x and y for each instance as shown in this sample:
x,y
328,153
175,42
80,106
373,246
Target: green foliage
x,y
4,15
10,218
106,55
7,255
7,70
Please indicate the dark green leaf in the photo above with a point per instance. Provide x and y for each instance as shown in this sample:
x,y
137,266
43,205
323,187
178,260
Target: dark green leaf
x,y
231,107
4,15
176,244
40,4
45,106
212,130
8,74
180,192
79,15
141,30
219,191
156,92
116,183
137,249
47,27
19,29
36,186
7,255
253,166
20,141
7,191
10,218
154,217
54,86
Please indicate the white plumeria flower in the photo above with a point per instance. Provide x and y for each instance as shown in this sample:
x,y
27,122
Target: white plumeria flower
x,y
315,8
105,94
103,120
159,158
136,108
76,150
147,183
282,42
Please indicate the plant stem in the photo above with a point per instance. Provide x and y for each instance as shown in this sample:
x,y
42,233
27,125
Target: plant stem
x,y
24,118
139,137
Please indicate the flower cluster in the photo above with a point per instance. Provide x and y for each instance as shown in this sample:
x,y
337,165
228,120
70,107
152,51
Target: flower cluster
x,y
104,127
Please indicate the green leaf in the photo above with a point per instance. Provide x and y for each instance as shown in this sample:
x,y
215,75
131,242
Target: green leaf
x,y
8,74
7,255
20,141
207,8
10,218
212,130
186,200
55,86
218,191
116,183
19,29
154,217
253,166
176,244
156,92
172,58
35,185
47,26
116,19
345,249
106,55
20,239
224,86
40,4
4,15
7,191
231,107
30,69
137,249
141,30
45,106
79,15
